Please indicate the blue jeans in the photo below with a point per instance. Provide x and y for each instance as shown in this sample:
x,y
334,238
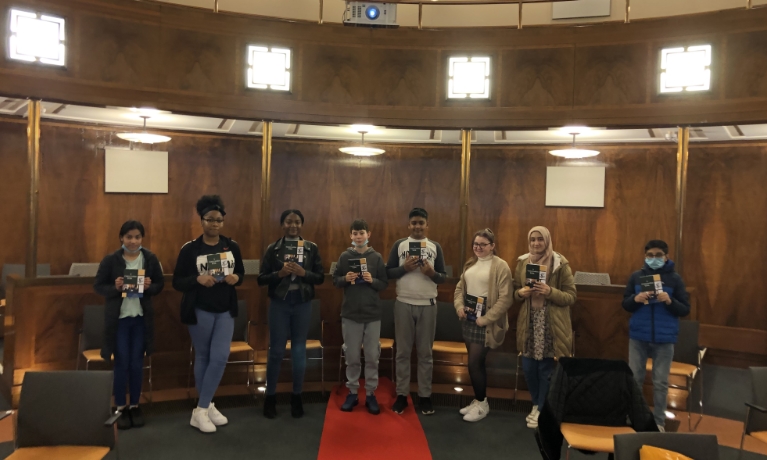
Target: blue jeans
x,y
288,320
129,359
212,338
538,378
662,354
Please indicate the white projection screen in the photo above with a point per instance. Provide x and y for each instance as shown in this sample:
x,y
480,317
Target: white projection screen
x,y
575,186
135,171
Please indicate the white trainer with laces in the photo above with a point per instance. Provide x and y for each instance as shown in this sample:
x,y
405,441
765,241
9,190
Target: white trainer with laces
x,y
216,417
532,413
478,412
201,421
466,409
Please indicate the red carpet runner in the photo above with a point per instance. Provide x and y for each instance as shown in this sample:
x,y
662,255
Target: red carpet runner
x,y
359,434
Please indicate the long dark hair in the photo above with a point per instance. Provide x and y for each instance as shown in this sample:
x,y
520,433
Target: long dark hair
x,y
484,233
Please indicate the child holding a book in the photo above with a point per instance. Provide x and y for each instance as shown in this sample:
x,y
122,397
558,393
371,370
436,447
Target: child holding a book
x,y
656,297
361,272
544,283
291,267
482,299
207,271
129,317
418,266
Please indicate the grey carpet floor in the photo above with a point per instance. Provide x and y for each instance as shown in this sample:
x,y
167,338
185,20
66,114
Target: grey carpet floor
x,y
249,435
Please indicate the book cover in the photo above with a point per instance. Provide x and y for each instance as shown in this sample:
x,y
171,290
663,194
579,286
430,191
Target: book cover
x,y
535,273
293,251
215,267
133,284
418,249
358,266
652,284
474,307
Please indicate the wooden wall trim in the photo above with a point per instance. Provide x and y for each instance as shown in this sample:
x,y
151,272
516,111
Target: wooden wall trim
x,y
189,60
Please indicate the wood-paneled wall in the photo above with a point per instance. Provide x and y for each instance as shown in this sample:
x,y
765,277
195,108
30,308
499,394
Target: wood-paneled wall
x,y
78,222
332,188
725,249
722,253
508,194
190,60
14,192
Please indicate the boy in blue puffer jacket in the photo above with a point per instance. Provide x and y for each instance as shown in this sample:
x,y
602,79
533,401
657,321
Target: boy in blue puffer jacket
x,y
654,323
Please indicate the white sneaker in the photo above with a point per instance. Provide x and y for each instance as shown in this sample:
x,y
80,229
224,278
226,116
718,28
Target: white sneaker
x,y
532,414
216,417
661,428
478,412
468,408
201,421
533,421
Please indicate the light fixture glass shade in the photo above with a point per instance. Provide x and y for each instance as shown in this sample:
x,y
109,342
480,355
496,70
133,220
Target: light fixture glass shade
x,y
362,151
144,137
574,153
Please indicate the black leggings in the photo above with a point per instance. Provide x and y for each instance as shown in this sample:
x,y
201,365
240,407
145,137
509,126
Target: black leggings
x,y
477,370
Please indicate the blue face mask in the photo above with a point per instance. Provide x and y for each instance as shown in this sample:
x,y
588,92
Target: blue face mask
x,y
654,263
361,245
131,252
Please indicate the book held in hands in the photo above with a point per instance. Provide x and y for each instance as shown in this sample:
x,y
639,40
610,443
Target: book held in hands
x,y
653,285
535,273
293,251
133,284
474,307
358,266
216,265
418,249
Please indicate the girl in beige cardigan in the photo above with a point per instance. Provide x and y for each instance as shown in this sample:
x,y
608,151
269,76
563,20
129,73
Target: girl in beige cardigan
x,y
488,276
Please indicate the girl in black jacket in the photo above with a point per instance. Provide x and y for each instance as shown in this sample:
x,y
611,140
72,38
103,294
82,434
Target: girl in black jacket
x,y
291,267
207,271
129,321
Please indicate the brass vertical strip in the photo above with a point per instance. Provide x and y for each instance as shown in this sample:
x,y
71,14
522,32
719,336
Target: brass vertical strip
x,y
420,16
266,178
519,15
682,157
215,6
33,159
321,8
465,170
749,4
627,19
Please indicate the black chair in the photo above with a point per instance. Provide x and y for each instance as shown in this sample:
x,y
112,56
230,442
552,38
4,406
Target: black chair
x,y
92,339
688,356
240,344
697,446
65,415
315,340
755,424
386,342
449,335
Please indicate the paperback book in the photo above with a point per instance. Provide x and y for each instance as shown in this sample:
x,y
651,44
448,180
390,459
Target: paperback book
x,y
133,284
358,266
474,307
535,273
651,284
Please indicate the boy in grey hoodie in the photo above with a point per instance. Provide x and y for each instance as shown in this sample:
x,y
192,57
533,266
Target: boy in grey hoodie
x,y
362,273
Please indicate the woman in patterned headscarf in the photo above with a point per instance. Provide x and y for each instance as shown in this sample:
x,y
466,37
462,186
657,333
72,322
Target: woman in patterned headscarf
x,y
544,328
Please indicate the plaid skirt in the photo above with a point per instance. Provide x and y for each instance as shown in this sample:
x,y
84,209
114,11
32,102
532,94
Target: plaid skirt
x,y
473,333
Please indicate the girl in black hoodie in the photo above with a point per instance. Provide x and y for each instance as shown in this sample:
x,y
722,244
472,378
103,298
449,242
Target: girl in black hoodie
x,y
129,321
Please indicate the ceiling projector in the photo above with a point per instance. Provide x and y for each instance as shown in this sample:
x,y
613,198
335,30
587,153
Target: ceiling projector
x,y
370,14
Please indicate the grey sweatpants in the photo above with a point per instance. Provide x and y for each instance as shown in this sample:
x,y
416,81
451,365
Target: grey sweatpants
x,y
365,337
414,325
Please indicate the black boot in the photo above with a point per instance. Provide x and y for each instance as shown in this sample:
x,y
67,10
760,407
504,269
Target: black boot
x,y
270,406
296,407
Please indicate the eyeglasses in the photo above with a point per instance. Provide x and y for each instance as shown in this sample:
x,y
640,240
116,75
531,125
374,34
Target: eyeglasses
x,y
481,245
213,221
